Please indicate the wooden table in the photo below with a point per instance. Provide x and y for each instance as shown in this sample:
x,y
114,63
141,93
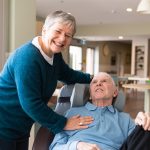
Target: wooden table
x,y
138,78
146,88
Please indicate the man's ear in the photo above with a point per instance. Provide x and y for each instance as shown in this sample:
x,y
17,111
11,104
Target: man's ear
x,y
115,93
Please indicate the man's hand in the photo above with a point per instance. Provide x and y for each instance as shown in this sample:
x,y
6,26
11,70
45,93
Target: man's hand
x,y
143,119
78,122
87,146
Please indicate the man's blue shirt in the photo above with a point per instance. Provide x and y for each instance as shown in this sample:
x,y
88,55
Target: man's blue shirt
x,y
109,129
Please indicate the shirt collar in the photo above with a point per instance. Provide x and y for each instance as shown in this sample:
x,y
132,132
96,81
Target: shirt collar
x,y
35,42
91,107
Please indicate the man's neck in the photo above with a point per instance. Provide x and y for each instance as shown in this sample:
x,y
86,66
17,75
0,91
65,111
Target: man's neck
x,y
102,103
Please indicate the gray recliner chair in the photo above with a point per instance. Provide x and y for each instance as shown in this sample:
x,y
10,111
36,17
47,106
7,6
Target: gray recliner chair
x,y
70,96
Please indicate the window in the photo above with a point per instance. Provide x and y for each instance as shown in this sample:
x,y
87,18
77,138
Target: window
x,y
92,60
75,57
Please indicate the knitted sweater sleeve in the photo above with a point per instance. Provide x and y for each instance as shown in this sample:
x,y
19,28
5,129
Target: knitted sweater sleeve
x,y
67,74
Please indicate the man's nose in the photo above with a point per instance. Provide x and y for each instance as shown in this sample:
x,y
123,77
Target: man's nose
x,y
100,83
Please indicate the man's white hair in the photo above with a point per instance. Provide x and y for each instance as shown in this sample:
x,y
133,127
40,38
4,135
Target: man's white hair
x,y
106,74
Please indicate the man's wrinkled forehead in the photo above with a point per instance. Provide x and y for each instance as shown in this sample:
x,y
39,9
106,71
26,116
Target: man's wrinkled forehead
x,y
102,75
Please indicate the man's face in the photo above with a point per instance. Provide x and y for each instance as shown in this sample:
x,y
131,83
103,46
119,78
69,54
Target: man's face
x,y
102,87
57,37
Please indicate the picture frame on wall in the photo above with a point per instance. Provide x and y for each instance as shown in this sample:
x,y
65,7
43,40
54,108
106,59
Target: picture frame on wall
x,y
105,50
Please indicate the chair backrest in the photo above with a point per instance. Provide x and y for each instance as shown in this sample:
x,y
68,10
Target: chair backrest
x,y
63,100
70,96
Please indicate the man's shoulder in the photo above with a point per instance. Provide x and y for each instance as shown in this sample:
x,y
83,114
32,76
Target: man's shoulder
x,y
124,115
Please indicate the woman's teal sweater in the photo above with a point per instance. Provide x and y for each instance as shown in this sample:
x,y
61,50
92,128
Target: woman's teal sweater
x,y
27,82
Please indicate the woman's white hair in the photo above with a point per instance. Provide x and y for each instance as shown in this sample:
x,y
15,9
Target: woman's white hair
x,y
60,17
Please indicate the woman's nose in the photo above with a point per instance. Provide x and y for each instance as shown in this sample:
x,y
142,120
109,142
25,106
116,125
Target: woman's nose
x,y
62,37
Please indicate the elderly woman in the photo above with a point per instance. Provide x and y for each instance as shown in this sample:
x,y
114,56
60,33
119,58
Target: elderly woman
x,y
28,80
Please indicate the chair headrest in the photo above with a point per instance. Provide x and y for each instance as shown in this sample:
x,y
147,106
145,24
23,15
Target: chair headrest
x,y
80,95
66,90
120,100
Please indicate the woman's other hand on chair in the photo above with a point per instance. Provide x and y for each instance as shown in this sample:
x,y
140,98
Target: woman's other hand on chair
x,y
78,122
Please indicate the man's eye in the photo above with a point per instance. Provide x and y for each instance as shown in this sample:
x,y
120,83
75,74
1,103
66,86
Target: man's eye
x,y
94,82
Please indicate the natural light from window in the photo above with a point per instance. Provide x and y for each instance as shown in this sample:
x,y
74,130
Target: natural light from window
x,y
75,57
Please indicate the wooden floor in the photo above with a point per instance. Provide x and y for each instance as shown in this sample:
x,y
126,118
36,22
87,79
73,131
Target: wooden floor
x,y
134,102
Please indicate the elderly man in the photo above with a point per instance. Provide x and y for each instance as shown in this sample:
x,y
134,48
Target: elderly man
x,y
110,127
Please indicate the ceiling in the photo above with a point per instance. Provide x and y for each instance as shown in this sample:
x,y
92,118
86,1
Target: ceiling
x,y
95,12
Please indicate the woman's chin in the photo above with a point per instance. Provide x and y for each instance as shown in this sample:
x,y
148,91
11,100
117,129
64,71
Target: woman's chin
x,y
58,50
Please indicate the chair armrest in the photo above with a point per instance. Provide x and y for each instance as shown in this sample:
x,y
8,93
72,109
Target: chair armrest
x,y
43,139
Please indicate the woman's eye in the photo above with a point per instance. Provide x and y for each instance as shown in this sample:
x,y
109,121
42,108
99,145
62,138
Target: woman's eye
x,y
57,31
68,35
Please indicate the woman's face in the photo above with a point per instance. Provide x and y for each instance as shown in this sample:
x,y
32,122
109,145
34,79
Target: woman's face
x,y
57,38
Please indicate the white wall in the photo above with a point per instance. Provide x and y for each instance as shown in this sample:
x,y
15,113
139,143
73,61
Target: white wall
x,y
3,30
22,22
114,30
1,34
